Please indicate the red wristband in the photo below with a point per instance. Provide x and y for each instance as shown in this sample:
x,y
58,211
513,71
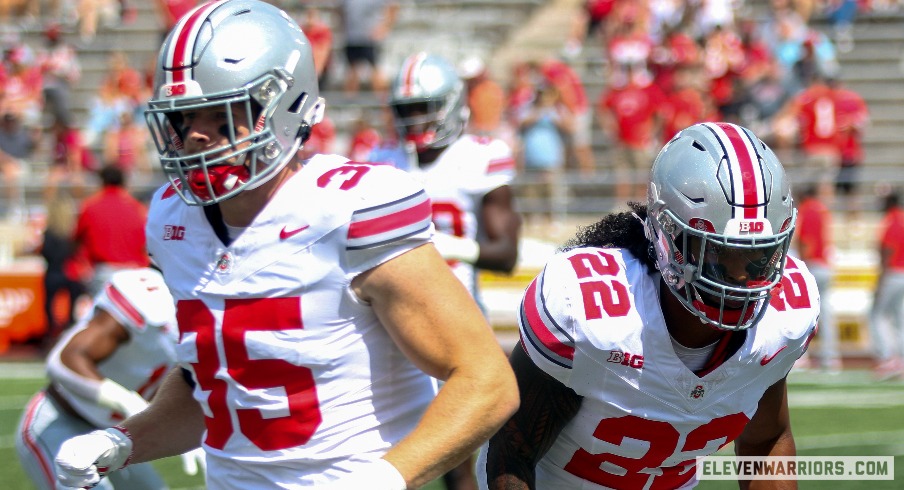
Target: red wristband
x,y
129,435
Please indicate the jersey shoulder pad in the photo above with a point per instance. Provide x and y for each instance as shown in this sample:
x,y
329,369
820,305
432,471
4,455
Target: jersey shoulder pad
x,y
386,203
138,298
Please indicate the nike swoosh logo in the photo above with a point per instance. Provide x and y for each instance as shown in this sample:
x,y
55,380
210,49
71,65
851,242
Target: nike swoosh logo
x,y
284,233
767,359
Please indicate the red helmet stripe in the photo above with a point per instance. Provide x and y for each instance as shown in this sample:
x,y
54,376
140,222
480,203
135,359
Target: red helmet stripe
x,y
746,174
409,70
178,58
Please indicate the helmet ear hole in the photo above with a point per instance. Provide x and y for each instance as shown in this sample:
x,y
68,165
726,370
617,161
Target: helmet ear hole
x,y
297,104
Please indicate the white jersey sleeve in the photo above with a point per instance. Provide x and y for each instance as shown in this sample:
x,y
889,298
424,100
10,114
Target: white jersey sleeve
x,y
546,324
138,299
485,163
392,216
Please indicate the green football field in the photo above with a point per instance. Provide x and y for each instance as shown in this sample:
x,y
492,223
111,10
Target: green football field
x,y
843,415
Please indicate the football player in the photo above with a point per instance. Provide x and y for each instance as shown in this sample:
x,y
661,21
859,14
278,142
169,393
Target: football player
x,y
467,178
661,334
104,369
312,308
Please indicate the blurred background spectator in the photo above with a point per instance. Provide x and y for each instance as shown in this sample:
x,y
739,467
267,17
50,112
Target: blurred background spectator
x,y
813,240
320,35
631,111
366,24
60,71
543,127
886,320
66,271
110,228
486,100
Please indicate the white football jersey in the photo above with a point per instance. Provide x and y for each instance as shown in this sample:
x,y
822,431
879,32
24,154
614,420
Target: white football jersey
x,y
299,380
139,300
592,320
457,181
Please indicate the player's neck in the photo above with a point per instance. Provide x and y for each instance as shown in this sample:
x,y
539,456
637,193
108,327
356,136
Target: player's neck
x,y
683,325
427,157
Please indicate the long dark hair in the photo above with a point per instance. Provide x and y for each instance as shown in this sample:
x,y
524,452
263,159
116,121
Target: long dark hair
x,y
617,230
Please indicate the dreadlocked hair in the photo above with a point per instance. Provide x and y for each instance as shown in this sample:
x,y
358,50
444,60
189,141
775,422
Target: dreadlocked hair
x,y
617,230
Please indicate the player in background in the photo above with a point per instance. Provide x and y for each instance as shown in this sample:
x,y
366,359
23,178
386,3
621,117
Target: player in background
x,y
104,369
313,310
466,176
663,333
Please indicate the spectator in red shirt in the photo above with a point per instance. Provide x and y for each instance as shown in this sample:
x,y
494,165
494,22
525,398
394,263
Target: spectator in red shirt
x,y
320,35
171,11
813,237
687,104
630,112
852,115
888,299
677,50
814,115
110,228
724,57
571,93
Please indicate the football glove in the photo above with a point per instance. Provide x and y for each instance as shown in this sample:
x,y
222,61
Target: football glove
x,y
84,460
116,397
456,248
194,459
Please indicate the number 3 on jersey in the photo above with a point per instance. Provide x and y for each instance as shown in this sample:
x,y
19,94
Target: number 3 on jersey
x,y
241,316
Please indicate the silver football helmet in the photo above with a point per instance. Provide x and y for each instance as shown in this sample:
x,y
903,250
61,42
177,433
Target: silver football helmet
x,y
233,54
720,216
427,98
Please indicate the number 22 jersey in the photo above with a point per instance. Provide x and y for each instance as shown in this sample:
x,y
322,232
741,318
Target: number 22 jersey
x,y
298,380
592,320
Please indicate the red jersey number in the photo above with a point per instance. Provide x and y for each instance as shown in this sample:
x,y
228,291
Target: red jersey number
x,y
610,295
794,290
240,317
662,439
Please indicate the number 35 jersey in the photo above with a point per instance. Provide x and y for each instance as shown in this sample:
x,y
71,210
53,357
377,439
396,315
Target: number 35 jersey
x,y
593,321
299,381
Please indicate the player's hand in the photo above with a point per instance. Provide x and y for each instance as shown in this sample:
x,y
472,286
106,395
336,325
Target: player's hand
x,y
84,460
123,400
194,459
456,248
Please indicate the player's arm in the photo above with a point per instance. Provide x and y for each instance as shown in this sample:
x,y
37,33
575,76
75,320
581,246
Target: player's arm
x,y
546,406
768,434
76,365
502,227
435,322
172,424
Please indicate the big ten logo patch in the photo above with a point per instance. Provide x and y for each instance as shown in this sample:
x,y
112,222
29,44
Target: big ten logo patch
x,y
625,359
748,227
173,232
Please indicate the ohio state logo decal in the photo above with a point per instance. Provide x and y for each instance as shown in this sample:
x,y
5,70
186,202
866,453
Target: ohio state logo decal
x,y
697,392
